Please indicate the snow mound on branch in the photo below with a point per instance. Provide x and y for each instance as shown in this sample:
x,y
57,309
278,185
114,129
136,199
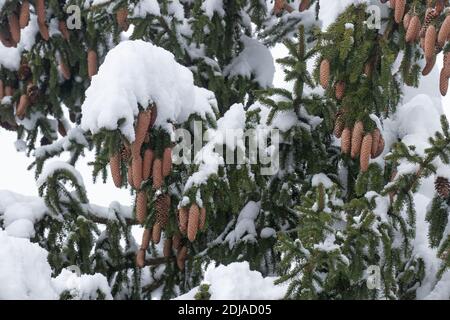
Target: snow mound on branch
x,y
213,6
255,60
24,270
145,7
51,167
138,72
245,229
237,282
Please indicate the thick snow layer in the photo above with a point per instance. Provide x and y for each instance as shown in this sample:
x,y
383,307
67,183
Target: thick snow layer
x,y
237,282
50,168
245,229
145,7
255,60
213,6
151,74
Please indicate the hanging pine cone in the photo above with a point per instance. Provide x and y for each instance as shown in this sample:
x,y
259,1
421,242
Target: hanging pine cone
x,y
442,186
430,42
40,10
116,172
406,21
429,66
368,69
65,70
399,10
142,125
156,233
413,29
125,153
62,129
183,217
446,64
278,7
157,174
380,148
154,110
9,91
167,162
141,206
22,106
376,135
181,257
140,258
167,250
202,219
122,19
443,83
430,15
346,140
92,63
146,238
324,73
147,164
14,27
176,241
62,27
193,222
357,137
392,4
366,149
304,4
162,206
24,15
339,126
340,90
444,32
136,163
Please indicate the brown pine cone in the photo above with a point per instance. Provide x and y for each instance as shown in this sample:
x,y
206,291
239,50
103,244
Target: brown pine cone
x,y
442,186
380,148
278,7
406,21
2,90
122,19
125,152
429,66
399,10
183,217
430,42
62,27
193,222
115,167
147,164
439,7
5,38
176,241
43,30
136,163
430,15
443,83
40,11
14,27
444,32
146,239
142,124
65,70
167,162
62,129
366,149
140,258
346,140
154,115
338,126
9,91
340,90
22,106
162,206
24,15
446,64
181,257
156,233
357,137
130,175
157,174
167,250
92,63
413,29
392,4
141,206
324,73
304,4
376,135
202,219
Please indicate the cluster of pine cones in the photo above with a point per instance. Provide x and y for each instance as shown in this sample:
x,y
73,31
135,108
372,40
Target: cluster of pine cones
x,y
431,36
282,5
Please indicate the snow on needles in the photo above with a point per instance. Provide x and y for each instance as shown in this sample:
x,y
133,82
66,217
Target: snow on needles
x,y
140,73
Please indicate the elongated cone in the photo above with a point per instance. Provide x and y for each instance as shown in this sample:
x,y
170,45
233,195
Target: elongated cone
x,y
176,241
140,258
181,257
406,21
40,11
392,4
376,135
429,66
399,10
116,173
156,233
304,4
340,90
24,15
444,32
167,162
338,127
157,174
357,137
346,140
162,206
14,27
202,219
183,217
147,164
122,19
193,222
2,90
65,70
278,7
63,29
167,251
380,147
443,83
324,73
430,42
92,63
368,69
141,206
136,163
154,115
146,238
413,30
43,30
366,149
9,91
22,106
130,175
446,64
5,38
142,125
62,129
